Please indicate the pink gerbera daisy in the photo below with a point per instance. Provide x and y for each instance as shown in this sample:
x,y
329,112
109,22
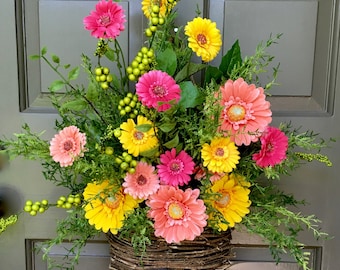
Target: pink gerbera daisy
x,y
67,145
107,21
175,170
142,183
246,113
178,215
274,145
157,89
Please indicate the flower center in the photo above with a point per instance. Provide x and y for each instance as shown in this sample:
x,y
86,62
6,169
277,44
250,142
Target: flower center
x,y
105,20
141,180
176,167
224,200
138,135
175,211
112,202
236,113
219,152
159,91
201,39
68,145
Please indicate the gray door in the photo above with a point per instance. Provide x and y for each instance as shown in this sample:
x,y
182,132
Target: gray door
x,y
308,95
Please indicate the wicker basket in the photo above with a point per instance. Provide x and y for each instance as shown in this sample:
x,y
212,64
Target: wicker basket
x,y
207,252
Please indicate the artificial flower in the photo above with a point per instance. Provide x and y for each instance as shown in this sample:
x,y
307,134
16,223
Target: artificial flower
x,y
142,183
246,113
156,89
274,145
231,200
178,214
135,140
67,145
175,170
107,21
204,38
220,156
165,7
104,211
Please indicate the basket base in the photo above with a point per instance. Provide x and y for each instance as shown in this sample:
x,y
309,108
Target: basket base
x,y
209,251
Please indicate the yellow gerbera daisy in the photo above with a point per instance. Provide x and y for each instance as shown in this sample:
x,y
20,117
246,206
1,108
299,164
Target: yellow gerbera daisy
x,y
107,212
220,156
135,140
231,200
204,38
164,7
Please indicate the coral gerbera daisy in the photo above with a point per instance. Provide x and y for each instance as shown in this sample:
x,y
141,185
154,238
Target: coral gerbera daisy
x,y
246,113
178,215
104,211
136,140
142,183
165,7
204,38
175,170
274,145
67,145
220,156
157,89
107,21
230,198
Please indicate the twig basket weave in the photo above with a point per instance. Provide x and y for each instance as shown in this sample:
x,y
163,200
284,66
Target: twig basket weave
x,y
207,252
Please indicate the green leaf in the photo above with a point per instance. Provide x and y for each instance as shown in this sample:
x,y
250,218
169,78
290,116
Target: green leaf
x,y
231,59
73,74
110,54
92,93
74,105
167,127
167,61
34,57
172,143
188,70
55,59
150,153
144,127
56,85
212,73
67,66
190,96
43,51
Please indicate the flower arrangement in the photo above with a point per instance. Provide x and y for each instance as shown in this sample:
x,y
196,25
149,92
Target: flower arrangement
x,y
155,149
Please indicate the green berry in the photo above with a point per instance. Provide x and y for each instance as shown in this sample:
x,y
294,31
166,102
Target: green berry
x,y
98,71
109,150
27,208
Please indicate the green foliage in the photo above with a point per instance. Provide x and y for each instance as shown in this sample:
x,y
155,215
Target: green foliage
x,y
5,222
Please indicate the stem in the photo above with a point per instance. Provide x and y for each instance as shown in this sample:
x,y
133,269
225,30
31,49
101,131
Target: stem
x,y
118,50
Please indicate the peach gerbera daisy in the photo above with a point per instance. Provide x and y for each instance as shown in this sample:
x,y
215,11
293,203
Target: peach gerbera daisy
x,y
231,200
178,215
246,113
105,211
274,145
204,38
136,140
68,144
142,183
107,21
220,156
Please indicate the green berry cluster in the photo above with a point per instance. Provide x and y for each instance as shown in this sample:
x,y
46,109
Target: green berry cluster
x,y
102,47
155,20
141,64
103,76
69,202
129,105
36,207
126,162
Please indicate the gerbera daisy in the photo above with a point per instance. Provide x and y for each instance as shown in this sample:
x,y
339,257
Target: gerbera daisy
x,y
107,21
107,212
135,140
221,155
67,145
142,183
175,170
274,145
178,215
156,89
246,113
204,38
164,7
231,200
